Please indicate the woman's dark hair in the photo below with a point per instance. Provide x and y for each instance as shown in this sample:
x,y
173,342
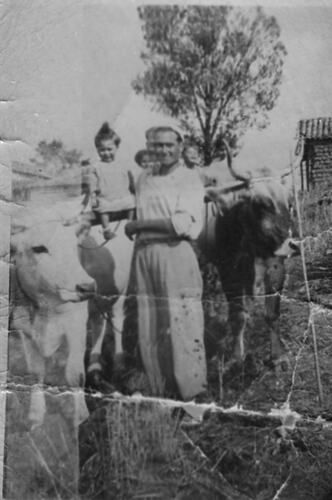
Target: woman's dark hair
x,y
140,155
105,132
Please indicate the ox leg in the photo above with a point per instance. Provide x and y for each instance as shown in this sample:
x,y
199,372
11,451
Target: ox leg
x,y
274,281
75,376
76,338
237,280
238,318
36,368
35,364
118,322
96,331
237,314
37,408
94,370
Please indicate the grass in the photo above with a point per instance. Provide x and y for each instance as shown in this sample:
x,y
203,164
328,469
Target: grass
x,y
258,461
138,451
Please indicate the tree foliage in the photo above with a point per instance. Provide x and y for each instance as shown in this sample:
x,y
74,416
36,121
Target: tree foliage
x,y
216,69
54,154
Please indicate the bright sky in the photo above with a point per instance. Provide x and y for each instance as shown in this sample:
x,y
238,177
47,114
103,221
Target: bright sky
x,y
67,66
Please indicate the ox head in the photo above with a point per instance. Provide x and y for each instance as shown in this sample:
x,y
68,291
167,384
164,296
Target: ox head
x,y
255,218
47,264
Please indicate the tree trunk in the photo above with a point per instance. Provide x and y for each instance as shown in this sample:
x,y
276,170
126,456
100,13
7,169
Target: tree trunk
x,y
207,150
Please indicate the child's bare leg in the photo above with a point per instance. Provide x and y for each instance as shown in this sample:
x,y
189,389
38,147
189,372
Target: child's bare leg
x,y
132,214
107,232
105,220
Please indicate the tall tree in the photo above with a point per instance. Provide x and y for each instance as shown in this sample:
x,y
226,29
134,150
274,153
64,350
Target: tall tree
x,y
216,69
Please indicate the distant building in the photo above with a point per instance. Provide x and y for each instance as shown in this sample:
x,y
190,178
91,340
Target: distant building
x,y
30,182
22,170
316,162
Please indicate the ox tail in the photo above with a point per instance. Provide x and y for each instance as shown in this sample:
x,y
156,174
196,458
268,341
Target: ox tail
x,y
234,173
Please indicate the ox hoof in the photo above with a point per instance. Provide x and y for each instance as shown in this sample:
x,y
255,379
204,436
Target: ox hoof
x,y
97,383
281,364
94,380
233,365
107,387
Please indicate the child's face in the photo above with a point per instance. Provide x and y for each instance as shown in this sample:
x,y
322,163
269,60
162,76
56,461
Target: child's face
x,y
191,156
107,150
148,160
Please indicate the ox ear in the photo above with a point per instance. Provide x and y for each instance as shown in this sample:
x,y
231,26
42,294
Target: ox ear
x,y
15,242
17,228
17,234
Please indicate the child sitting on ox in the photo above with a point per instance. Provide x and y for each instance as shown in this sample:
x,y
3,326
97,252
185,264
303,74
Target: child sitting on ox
x,y
111,185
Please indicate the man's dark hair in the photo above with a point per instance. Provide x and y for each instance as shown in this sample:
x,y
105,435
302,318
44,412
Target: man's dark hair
x,y
149,132
105,133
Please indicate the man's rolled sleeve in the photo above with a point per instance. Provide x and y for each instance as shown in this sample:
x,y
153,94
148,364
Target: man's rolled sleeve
x,y
188,217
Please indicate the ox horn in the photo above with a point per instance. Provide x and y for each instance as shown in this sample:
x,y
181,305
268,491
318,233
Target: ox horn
x,y
236,175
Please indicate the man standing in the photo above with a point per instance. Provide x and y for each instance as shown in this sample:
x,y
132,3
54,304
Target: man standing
x,y
169,202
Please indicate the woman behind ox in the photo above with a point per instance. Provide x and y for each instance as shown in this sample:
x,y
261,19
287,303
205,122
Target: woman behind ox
x,y
169,202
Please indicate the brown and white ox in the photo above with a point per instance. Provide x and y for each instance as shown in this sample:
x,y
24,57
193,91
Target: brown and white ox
x,y
247,237
48,289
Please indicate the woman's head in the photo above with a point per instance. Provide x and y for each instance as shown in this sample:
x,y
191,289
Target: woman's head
x,y
145,158
107,142
191,155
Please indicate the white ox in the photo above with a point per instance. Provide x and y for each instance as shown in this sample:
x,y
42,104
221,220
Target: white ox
x,y
50,310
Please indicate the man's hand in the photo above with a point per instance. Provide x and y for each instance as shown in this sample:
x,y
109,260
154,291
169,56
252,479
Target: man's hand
x,y
131,228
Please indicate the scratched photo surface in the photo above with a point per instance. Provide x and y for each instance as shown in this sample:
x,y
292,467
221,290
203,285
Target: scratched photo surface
x,y
170,271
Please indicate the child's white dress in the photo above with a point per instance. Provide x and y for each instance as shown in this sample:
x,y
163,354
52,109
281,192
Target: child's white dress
x,y
112,183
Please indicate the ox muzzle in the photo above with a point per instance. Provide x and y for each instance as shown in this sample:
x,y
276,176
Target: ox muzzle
x,y
83,291
86,290
289,248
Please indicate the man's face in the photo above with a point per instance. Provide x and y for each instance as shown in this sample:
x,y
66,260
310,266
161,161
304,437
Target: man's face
x,y
107,150
167,148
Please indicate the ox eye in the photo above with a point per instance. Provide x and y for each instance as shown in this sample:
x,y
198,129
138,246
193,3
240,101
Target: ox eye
x,y
40,249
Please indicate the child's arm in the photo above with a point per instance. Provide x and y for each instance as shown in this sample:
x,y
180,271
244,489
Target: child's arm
x,y
131,184
132,214
85,201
